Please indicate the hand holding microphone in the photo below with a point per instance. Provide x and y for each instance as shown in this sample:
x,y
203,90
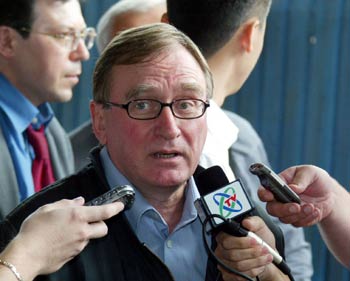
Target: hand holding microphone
x,y
222,207
248,253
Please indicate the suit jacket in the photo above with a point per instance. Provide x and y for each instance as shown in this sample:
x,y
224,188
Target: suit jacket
x,y
82,140
247,149
62,161
120,255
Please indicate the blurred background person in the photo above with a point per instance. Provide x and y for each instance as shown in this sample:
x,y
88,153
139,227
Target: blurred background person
x,y
42,45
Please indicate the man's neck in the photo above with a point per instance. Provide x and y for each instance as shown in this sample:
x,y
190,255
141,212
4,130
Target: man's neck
x,y
222,70
169,206
223,67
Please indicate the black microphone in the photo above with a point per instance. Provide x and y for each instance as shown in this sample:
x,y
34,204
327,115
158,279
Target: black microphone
x,y
211,179
220,197
225,205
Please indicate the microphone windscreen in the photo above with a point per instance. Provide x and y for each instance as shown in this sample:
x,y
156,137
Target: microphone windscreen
x,y
210,180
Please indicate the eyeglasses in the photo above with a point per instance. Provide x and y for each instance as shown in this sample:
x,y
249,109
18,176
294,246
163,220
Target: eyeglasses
x,y
71,38
148,109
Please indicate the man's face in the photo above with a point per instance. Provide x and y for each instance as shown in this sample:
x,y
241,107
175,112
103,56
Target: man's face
x,y
45,68
162,152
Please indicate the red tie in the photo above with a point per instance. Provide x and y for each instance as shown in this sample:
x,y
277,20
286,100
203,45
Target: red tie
x,y
41,167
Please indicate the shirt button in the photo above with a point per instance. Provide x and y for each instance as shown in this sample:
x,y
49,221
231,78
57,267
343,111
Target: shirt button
x,y
169,244
34,120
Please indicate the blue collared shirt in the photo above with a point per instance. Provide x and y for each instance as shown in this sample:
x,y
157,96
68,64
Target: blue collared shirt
x,y
16,114
182,250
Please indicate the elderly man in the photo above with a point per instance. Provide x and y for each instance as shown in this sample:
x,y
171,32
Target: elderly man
x,y
151,91
232,47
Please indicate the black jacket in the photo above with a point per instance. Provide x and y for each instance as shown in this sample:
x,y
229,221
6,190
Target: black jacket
x,y
119,256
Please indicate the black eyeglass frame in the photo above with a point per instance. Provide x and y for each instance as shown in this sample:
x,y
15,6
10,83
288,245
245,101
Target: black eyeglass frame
x,y
125,106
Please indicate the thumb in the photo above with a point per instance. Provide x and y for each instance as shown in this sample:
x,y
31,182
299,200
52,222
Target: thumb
x,y
253,223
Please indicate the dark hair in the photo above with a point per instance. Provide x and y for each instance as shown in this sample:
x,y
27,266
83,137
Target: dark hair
x,y
17,14
212,23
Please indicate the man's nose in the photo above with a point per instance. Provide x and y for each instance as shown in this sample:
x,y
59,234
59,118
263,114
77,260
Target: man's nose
x,y
167,124
81,53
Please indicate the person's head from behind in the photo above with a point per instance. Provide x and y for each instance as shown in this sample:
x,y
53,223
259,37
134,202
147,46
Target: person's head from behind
x,y
126,14
42,44
230,29
151,86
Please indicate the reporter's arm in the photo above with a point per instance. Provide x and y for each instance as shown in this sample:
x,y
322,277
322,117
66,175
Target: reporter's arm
x,y
53,235
324,202
335,228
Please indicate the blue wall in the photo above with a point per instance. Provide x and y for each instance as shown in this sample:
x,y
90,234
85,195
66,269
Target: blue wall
x,y
298,97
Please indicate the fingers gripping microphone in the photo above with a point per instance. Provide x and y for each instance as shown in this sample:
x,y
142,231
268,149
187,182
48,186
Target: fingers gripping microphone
x,y
224,205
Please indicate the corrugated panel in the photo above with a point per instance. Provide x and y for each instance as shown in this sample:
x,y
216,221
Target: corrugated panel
x,y
300,93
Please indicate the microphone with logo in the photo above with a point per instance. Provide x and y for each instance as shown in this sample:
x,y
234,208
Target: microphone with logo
x,y
222,206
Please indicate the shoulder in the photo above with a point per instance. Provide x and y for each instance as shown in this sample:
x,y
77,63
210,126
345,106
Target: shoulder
x,y
57,134
244,126
248,139
55,128
82,140
82,133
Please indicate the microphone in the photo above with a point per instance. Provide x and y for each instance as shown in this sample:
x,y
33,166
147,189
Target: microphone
x,y
224,205
220,197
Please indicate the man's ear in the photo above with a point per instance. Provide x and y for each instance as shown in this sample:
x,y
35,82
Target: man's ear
x,y
248,34
98,121
165,18
7,41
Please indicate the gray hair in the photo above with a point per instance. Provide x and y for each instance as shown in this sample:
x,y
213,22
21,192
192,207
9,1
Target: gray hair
x,y
105,24
142,44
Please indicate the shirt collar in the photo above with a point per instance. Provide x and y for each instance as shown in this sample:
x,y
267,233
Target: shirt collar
x,y
222,134
19,110
190,212
221,130
116,178
141,206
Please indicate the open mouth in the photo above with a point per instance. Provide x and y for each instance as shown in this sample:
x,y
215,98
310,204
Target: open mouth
x,y
165,155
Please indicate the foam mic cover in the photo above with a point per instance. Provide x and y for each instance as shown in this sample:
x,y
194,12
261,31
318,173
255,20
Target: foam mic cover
x,y
210,180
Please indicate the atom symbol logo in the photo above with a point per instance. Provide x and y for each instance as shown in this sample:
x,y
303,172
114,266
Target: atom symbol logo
x,y
227,202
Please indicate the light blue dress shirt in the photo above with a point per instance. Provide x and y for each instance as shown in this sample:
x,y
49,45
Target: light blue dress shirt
x,y
16,114
182,250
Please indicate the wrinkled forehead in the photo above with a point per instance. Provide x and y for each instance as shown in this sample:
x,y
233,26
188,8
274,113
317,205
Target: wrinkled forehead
x,y
174,69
